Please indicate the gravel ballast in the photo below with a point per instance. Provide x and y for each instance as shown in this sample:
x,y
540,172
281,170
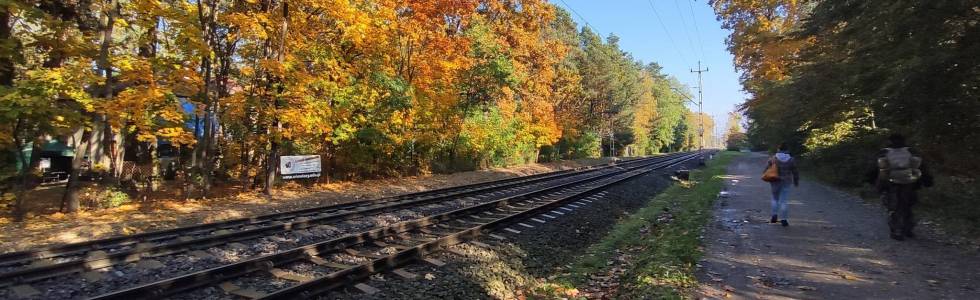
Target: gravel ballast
x,y
511,266
128,275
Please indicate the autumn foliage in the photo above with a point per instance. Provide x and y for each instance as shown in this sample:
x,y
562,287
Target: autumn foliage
x,y
377,87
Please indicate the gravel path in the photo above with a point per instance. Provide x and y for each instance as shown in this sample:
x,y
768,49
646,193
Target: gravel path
x,y
836,247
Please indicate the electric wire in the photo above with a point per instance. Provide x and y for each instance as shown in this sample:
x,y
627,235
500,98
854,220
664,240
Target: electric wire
x,y
696,29
664,26
690,43
581,17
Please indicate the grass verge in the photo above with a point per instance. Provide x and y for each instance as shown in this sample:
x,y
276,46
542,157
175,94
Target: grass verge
x,y
653,252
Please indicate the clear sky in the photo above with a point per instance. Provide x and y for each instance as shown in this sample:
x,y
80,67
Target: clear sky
x,y
692,33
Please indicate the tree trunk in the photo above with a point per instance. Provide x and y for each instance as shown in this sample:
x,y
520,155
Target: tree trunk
x,y
105,63
275,140
204,148
271,165
8,57
28,164
243,177
148,50
69,201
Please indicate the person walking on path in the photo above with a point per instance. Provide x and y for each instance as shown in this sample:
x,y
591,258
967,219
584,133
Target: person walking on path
x,y
900,174
786,166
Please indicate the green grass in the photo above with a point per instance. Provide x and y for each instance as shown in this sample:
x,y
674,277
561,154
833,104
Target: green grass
x,y
662,240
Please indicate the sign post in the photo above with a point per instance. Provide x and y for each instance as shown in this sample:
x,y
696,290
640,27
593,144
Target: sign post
x,y
299,166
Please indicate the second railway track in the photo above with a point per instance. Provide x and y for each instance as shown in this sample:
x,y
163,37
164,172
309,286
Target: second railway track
x,y
318,268
188,242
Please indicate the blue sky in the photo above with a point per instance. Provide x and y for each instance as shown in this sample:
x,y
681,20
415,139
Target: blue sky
x,y
690,38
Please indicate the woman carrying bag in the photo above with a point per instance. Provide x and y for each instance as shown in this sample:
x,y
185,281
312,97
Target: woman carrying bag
x,y
780,173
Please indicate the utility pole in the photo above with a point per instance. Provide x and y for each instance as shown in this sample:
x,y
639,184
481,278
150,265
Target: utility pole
x,y
700,102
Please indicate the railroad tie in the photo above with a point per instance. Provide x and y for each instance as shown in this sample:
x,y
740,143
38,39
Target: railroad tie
x,y
367,289
420,239
453,250
481,245
149,264
237,246
362,254
451,227
525,225
549,216
283,274
24,291
233,289
404,274
93,276
326,263
221,232
434,262
96,254
483,219
469,222
41,263
538,220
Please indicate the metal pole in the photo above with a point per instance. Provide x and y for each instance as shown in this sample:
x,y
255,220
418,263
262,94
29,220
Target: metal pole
x,y
700,103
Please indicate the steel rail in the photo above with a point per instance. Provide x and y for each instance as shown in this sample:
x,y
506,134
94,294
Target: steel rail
x,y
190,281
102,260
345,277
126,240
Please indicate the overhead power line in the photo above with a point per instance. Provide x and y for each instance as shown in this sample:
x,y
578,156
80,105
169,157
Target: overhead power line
x,y
696,29
662,25
680,14
581,17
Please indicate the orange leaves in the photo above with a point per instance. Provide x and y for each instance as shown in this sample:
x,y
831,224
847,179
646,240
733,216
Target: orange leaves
x,y
760,39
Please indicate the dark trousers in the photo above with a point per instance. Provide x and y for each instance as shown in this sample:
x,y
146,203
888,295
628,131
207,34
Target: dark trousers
x,y
899,199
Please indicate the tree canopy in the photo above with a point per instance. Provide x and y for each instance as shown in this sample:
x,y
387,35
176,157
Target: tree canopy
x,y
827,75
375,87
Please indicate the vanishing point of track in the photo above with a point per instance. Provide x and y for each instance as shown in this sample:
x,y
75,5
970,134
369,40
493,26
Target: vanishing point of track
x,y
398,243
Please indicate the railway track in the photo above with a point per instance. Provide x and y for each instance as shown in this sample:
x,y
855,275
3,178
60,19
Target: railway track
x,y
320,267
31,266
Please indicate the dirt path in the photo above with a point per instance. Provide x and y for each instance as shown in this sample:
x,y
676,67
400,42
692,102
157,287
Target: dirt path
x,y
836,247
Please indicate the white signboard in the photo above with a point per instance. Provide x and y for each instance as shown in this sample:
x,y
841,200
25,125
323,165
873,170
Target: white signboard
x,y
299,166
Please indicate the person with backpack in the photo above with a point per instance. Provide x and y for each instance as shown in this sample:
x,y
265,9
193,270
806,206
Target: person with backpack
x,y
780,173
900,174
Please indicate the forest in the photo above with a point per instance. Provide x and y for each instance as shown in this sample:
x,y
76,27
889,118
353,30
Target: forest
x,y
137,94
833,79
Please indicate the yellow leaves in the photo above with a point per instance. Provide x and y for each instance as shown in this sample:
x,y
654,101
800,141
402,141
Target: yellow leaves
x,y
273,67
177,135
249,25
120,23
